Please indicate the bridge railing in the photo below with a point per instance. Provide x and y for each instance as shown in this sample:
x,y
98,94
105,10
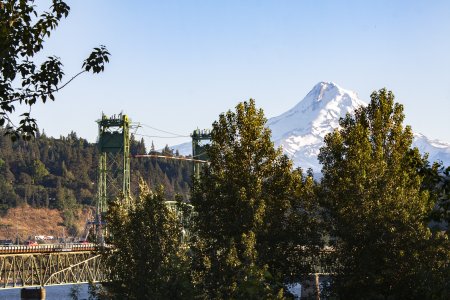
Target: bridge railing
x,y
47,248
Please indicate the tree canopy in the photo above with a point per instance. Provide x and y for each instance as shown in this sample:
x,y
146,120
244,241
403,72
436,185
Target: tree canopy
x,y
149,261
372,188
245,203
24,81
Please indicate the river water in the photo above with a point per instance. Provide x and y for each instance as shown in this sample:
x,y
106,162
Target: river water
x,y
62,292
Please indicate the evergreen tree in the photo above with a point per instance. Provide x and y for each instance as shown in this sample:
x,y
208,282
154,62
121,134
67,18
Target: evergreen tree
x,y
38,171
152,148
372,189
149,261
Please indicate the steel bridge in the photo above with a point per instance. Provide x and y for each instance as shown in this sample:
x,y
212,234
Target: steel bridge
x,y
56,264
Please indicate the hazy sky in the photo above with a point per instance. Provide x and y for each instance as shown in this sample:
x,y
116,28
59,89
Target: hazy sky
x,y
176,65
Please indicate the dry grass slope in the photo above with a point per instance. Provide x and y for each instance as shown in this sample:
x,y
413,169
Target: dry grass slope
x,y
27,222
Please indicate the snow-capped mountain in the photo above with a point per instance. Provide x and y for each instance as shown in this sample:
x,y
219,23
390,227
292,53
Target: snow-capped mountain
x,y
300,131
437,150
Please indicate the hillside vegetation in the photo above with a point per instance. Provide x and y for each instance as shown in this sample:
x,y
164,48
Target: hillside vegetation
x,y
61,174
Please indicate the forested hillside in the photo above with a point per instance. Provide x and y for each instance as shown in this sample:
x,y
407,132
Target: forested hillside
x,y
61,173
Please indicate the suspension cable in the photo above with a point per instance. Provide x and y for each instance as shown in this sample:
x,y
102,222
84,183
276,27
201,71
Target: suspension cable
x,y
165,131
158,136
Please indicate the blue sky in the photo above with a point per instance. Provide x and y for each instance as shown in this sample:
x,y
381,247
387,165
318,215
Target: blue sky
x,y
176,65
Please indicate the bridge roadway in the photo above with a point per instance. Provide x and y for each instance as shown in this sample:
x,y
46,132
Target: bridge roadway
x,y
50,264
58,264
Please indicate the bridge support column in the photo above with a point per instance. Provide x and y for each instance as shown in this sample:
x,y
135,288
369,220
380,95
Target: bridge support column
x,y
32,293
310,287
313,285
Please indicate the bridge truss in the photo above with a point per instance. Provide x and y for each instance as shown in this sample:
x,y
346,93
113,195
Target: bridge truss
x,y
43,269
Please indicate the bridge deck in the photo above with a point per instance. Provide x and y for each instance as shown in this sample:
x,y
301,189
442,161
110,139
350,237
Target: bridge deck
x,y
43,265
47,248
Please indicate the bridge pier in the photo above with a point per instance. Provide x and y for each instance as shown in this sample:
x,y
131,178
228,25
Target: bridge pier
x,y
32,293
310,287
313,285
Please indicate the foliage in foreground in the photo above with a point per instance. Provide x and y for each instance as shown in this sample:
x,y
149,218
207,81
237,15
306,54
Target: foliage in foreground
x,y
258,222
150,260
373,191
24,82
253,212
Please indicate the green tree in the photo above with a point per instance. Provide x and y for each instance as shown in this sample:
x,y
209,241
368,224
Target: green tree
x,y
22,80
373,191
437,181
38,171
244,199
443,195
67,204
149,261
8,197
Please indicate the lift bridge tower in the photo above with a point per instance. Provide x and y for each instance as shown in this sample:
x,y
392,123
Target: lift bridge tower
x,y
200,142
114,164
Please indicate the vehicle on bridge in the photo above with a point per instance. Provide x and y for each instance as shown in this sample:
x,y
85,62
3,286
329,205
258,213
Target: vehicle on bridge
x,y
31,243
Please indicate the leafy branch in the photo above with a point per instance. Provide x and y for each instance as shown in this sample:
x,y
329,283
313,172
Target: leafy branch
x,y
22,81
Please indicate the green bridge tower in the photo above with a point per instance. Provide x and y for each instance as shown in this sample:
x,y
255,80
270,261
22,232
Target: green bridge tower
x,y
114,162
199,148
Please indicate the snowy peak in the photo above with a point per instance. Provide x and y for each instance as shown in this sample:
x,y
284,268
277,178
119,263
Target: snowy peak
x,y
317,113
323,93
301,130
437,150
